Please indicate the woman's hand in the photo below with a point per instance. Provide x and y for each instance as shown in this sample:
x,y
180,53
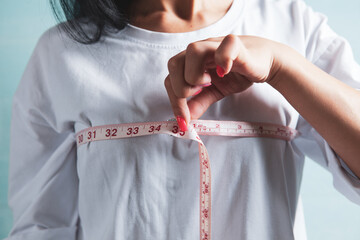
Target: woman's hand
x,y
233,63
230,64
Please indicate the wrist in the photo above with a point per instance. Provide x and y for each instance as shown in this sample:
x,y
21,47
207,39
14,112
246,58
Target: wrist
x,y
284,64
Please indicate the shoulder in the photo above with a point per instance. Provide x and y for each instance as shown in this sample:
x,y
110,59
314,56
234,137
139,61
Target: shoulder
x,y
292,9
278,3
286,18
55,39
56,51
54,59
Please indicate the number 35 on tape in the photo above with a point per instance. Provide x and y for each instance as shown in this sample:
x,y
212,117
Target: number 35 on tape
x,y
196,128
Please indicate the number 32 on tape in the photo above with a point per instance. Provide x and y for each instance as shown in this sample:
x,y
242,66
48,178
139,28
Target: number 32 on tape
x,y
196,128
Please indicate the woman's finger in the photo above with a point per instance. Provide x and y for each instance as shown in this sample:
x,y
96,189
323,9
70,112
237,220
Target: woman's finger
x,y
181,88
197,56
176,67
178,104
200,103
220,88
228,50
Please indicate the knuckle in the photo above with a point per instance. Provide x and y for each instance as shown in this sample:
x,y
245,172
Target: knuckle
x,y
231,38
193,48
172,63
167,83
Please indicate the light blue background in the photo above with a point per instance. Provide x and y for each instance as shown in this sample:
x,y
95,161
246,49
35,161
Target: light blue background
x,y
328,214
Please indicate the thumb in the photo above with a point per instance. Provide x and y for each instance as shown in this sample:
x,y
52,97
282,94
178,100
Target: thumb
x,y
226,53
200,103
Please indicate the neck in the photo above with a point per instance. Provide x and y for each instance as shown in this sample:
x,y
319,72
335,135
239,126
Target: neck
x,y
177,15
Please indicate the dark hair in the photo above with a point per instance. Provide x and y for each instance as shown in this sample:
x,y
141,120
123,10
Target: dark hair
x,y
103,14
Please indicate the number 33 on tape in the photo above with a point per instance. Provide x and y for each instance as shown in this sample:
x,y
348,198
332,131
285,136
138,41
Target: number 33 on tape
x,y
196,128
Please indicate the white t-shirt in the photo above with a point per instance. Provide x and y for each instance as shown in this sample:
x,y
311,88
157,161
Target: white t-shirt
x,y
148,187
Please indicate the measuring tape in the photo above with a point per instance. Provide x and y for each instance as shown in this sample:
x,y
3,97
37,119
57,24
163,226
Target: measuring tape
x,y
196,128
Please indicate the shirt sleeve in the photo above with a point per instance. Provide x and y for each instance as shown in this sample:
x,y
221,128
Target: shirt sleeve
x,y
43,182
348,170
332,54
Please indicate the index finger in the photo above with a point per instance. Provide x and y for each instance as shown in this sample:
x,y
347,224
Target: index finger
x,y
197,57
179,106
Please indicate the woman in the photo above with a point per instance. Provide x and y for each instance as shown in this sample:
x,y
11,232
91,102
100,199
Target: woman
x,y
271,59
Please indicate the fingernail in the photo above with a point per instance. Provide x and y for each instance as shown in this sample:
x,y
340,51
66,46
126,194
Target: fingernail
x,y
197,92
182,124
206,84
220,71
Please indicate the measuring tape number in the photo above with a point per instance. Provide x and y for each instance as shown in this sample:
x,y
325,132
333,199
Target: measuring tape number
x,y
196,128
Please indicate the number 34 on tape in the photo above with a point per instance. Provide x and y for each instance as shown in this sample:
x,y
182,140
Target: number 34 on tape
x,y
196,128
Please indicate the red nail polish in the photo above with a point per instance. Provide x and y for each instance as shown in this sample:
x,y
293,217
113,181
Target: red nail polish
x,y
220,71
206,84
197,92
182,124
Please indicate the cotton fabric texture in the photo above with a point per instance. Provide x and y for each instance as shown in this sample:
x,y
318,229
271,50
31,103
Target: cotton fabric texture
x,y
148,187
